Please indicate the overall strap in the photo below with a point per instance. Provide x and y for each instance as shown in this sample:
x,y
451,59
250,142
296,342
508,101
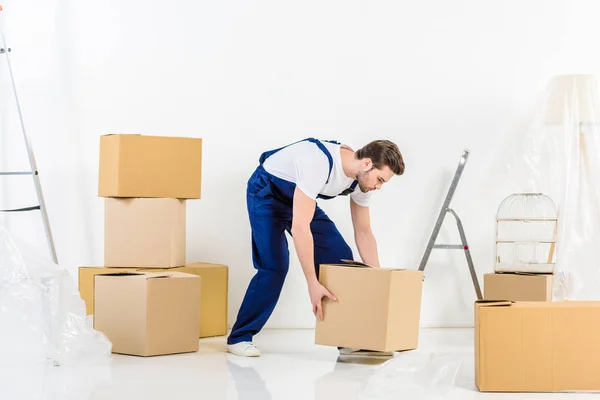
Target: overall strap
x,y
327,153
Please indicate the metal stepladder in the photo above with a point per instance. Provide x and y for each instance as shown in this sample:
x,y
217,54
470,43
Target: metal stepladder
x,y
436,230
33,171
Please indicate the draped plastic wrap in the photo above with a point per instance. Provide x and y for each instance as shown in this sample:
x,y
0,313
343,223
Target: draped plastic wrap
x,y
414,375
559,156
42,316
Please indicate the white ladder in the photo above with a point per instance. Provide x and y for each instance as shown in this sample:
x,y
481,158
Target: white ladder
x,y
33,171
438,225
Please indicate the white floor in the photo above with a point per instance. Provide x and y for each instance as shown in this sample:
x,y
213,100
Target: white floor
x,y
291,367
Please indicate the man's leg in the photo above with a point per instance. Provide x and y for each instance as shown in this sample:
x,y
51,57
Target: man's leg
x,y
330,246
270,256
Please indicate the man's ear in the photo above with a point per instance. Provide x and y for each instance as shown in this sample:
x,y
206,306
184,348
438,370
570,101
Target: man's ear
x,y
366,163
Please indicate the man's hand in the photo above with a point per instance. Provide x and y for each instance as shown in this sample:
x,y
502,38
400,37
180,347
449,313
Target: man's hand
x,y
317,292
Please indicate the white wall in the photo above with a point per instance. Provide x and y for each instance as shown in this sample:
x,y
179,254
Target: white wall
x,y
434,76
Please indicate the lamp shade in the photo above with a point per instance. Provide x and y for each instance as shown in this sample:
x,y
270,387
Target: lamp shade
x,y
573,99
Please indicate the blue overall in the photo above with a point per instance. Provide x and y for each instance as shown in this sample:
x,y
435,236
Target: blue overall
x,y
269,201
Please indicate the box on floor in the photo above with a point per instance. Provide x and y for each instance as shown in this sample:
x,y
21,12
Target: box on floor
x,y
518,286
376,309
133,165
144,232
213,296
148,314
537,346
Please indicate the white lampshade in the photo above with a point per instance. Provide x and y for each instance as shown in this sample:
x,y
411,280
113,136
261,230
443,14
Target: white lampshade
x,y
573,99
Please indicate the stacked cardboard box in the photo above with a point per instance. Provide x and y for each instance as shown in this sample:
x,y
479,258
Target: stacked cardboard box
x,y
146,182
518,286
537,346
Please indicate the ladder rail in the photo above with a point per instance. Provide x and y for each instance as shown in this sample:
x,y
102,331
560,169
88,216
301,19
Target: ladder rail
x,y
32,162
438,225
442,215
465,246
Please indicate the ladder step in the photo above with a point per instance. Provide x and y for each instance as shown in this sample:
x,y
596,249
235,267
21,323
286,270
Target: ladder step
x,y
22,209
450,246
18,173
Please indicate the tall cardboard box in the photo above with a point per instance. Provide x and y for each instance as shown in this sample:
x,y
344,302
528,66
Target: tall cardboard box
x,y
148,314
518,286
213,294
144,232
376,309
134,165
537,346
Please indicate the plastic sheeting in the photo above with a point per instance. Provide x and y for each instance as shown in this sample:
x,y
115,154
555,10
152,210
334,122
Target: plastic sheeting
x,y
417,375
559,156
42,316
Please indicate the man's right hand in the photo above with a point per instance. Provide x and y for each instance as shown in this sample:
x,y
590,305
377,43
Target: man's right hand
x,y
317,292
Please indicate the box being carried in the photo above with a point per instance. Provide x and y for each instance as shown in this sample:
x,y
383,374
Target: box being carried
x,y
134,165
148,314
376,309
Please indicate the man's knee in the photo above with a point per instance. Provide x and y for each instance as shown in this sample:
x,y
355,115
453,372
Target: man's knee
x,y
275,276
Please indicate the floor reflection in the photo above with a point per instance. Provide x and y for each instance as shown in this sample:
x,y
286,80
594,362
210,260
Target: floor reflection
x,y
248,383
348,378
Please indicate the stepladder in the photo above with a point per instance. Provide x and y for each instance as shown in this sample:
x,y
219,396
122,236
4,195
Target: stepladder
x,y
464,246
32,171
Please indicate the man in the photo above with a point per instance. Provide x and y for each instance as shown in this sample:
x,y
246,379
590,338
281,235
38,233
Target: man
x,y
281,196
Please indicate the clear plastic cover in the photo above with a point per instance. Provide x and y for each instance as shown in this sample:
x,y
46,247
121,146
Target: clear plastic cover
x,y
559,156
418,374
42,316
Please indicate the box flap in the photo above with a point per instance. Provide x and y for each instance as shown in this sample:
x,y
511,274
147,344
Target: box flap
x,y
523,273
141,275
355,264
494,303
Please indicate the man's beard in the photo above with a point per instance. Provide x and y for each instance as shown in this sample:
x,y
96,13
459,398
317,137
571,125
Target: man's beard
x,y
361,177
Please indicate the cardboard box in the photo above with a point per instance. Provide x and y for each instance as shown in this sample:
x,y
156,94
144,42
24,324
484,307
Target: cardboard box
x,y
144,232
537,346
376,308
213,296
134,165
148,314
518,287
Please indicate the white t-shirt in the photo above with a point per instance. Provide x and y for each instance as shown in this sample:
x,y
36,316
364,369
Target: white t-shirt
x,y
306,165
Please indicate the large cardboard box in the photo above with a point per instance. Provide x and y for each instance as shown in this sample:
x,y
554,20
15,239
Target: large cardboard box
x,y
134,165
144,232
376,309
518,287
148,314
537,346
213,296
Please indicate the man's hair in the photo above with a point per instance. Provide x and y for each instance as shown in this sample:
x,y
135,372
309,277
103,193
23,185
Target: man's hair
x,y
382,153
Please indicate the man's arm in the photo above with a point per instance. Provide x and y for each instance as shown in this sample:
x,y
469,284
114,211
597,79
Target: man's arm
x,y
363,235
303,212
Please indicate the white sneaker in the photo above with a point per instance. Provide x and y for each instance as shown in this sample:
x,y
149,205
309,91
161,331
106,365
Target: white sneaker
x,y
346,351
244,349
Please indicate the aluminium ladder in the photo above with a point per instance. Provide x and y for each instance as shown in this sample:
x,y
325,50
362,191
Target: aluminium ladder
x,y
33,171
436,230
